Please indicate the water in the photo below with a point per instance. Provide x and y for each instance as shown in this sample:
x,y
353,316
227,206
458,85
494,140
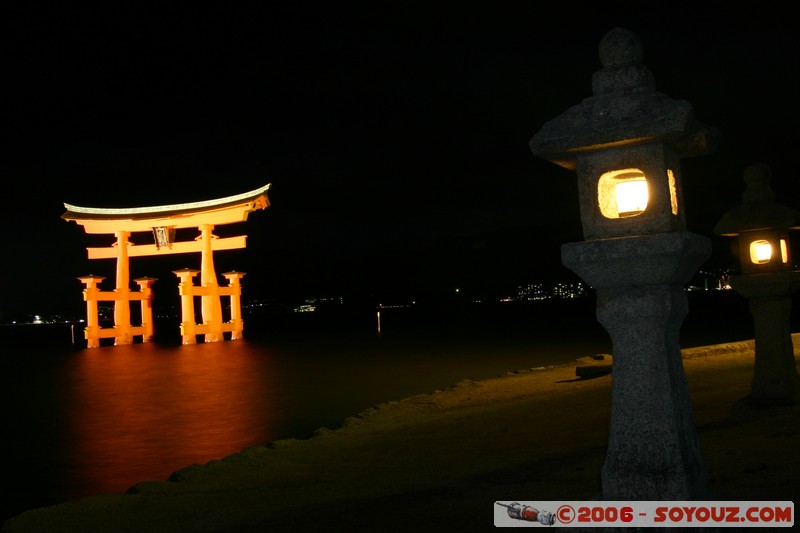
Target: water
x,y
83,421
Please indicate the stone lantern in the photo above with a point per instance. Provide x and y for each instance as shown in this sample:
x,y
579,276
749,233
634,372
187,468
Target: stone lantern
x,y
767,281
625,143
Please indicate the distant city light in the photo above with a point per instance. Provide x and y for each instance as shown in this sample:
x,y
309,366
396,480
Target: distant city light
x,y
42,320
542,291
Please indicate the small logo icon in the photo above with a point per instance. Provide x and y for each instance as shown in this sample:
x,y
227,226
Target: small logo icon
x,y
528,513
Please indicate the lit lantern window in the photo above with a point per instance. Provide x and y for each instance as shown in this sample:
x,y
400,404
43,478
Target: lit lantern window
x,y
760,252
673,192
622,193
784,252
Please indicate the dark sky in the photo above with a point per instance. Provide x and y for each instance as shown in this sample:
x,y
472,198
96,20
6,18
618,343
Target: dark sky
x,y
395,138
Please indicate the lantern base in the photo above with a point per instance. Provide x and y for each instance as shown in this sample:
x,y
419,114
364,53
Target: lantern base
x,y
775,378
653,451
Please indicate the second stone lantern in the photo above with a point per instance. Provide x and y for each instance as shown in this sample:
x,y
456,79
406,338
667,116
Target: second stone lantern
x,y
768,281
625,143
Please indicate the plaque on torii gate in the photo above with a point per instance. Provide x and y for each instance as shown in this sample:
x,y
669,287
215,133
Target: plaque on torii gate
x,y
162,222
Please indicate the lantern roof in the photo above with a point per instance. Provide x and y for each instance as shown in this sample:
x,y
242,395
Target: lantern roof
x,y
625,109
760,211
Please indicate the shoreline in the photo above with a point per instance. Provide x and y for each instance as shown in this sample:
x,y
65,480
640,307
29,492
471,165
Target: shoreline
x,y
442,459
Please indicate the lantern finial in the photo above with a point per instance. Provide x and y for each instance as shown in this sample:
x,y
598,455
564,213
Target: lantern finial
x,y
621,55
759,209
620,47
757,177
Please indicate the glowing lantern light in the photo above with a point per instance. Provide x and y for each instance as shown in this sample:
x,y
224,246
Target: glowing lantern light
x,y
761,224
760,252
622,193
631,197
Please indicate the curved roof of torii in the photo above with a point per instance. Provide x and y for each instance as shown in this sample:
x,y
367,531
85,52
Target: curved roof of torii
x,y
227,210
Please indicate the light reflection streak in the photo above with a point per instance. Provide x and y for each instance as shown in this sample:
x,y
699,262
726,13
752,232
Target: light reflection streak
x,y
140,412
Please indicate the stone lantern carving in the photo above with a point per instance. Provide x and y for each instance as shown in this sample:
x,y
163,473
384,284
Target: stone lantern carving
x,y
767,281
625,143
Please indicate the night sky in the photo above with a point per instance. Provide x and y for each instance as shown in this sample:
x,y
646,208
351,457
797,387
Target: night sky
x,y
395,138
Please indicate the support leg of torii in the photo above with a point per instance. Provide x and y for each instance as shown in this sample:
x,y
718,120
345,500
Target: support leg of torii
x,y
186,291
236,303
90,295
146,288
122,304
211,305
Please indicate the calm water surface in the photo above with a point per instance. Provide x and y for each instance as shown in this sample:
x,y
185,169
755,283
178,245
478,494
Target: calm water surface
x,y
87,421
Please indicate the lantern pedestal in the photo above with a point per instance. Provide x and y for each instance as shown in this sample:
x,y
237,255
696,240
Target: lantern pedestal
x,y
653,451
775,378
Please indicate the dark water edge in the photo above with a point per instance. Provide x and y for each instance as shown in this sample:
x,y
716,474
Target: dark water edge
x,y
418,345
714,317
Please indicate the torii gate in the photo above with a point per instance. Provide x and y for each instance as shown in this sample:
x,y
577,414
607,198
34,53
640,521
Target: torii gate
x,y
162,222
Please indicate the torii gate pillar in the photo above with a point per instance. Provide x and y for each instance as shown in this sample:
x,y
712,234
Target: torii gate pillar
x,y
234,289
91,295
146,292
122,304
211,306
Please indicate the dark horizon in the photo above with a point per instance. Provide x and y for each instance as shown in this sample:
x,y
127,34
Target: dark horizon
x,y
167,300
396,141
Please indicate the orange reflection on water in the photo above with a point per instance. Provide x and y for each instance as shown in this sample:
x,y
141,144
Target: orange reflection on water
x,y
140,412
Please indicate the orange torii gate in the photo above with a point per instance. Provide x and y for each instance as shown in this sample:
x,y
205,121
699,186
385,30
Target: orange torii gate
x,y
162,222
